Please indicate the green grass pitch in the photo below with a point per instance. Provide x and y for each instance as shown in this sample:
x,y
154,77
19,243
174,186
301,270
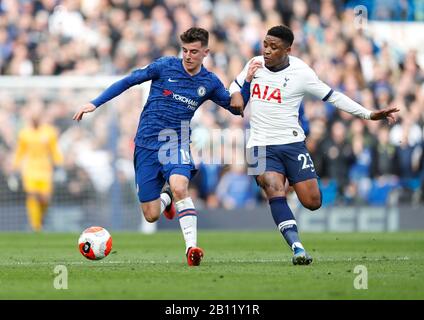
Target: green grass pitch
x,y
237,265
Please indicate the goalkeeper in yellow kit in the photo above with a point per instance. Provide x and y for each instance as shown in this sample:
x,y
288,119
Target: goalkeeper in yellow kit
x,y
36,155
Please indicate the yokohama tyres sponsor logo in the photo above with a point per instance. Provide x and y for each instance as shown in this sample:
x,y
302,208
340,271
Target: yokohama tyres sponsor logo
x,y
190,102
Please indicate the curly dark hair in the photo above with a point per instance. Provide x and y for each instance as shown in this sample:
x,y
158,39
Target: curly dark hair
x,y
283,32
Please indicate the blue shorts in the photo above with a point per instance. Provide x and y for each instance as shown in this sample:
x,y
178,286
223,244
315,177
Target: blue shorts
x,y
292,160
152,171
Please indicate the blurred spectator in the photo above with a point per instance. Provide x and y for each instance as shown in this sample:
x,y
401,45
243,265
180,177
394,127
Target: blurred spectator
x,y
407,137
384,167
314,144
236,189
76,189
206,183
383,153
359,173
339,157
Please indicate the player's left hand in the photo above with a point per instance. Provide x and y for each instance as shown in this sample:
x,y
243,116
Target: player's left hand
x,y
386,113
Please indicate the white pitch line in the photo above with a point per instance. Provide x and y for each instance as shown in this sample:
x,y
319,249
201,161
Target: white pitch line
x,y
315,259
87,263
115,262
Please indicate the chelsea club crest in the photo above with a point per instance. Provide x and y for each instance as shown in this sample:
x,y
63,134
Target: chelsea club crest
x,y
201,91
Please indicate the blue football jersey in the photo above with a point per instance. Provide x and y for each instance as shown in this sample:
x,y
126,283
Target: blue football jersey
x,y
173,98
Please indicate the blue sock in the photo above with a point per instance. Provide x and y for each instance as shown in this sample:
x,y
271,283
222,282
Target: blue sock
x,y
284,219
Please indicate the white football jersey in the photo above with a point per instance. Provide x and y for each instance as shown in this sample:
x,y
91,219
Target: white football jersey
x,y
275,98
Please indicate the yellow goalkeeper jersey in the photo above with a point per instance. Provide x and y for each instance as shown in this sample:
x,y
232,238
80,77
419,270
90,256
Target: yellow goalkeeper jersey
x,y
37,152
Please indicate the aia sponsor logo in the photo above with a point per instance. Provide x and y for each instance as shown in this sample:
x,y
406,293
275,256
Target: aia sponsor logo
x,y
266,93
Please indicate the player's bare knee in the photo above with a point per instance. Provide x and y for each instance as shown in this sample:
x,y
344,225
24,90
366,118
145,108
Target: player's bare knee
x,y
272,186
150,216
179,192
314,203
315,206
150,213
151,219
274,190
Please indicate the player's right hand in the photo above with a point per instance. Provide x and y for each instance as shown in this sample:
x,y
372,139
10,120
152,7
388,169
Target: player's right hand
x,y
86,108
237,102
253,66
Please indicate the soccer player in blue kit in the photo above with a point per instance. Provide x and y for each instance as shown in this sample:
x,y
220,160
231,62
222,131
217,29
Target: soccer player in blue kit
x,y
162,152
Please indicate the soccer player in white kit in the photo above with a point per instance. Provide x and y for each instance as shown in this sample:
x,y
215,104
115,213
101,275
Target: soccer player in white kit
x,y
276,92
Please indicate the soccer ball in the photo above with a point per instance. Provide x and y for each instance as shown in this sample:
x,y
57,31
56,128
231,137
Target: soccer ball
x,y
95,243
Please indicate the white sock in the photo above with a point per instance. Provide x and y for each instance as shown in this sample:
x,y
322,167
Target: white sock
x,y
187,216
165,200
297,245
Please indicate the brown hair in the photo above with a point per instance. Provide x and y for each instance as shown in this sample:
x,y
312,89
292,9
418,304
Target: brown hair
x,y
195,34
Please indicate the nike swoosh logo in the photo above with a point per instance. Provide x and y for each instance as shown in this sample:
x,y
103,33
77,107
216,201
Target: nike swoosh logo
x,y
255,77
170,80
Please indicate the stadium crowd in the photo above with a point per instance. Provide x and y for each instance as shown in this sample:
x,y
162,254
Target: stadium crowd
x,y
359,162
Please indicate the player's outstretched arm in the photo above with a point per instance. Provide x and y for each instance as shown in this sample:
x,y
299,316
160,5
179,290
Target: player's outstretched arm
x,y
316,87
86,108
386,113
346,104
136,77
